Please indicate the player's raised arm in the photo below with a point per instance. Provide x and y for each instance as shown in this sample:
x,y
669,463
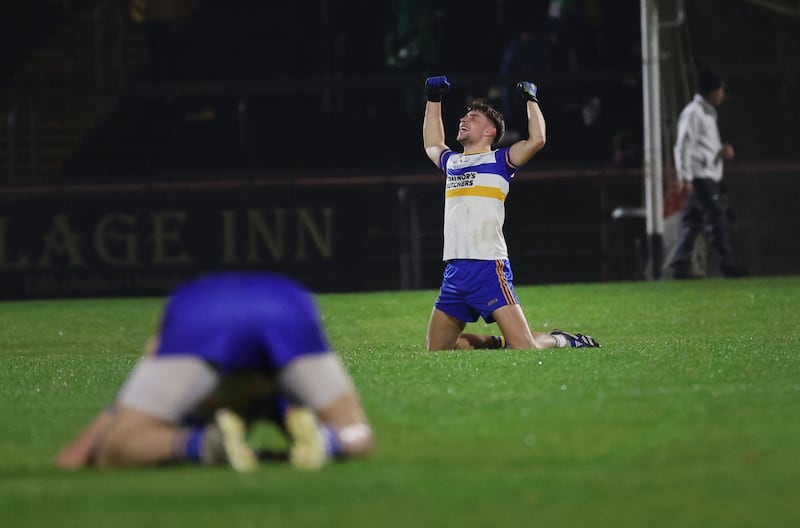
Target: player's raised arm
x,y
522,151
432,126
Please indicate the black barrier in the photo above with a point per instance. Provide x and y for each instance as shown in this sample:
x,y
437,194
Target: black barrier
x,y
143,243
348,233
345,234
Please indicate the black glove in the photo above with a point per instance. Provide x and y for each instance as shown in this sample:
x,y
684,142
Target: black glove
x,y
528,91
436,87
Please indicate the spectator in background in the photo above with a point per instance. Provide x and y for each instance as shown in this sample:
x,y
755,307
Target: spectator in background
x,y
565,33
528,54
699,155
410,43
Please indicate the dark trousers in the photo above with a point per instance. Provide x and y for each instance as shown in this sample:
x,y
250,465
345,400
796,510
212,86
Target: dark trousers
x,y
706,207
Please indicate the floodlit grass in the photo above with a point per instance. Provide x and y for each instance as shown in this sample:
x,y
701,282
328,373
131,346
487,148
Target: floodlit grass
x,y
688,416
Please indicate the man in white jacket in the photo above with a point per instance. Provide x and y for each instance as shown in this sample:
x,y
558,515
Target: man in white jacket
x,y
699,155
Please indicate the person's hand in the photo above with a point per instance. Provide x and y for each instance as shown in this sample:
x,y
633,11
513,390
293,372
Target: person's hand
x,y
727,152
436,87
528,91
685,187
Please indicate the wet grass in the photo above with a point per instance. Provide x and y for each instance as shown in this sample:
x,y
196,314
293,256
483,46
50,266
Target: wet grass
x,y
686,417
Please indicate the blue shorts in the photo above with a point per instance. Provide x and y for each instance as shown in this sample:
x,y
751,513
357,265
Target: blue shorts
x,y
242,321
476,288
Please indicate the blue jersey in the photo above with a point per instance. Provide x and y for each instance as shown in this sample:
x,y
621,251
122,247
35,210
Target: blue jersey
x,y
242,321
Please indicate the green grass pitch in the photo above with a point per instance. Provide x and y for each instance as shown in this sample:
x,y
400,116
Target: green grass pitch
x,y
688,416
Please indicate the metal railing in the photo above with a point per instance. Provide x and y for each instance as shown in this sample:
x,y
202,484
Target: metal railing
x,y
109,78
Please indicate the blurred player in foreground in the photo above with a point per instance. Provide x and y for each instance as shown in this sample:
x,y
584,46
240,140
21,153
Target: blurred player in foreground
x,y
233,349
477,277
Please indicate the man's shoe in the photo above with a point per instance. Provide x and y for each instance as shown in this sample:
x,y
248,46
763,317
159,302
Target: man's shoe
x,y
577,340
683,270
233,443
308,449
683,274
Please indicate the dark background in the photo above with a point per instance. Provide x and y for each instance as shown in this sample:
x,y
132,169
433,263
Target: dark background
x,y
112,98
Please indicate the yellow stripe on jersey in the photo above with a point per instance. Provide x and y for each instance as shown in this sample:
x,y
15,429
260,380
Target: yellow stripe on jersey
x,y
478,190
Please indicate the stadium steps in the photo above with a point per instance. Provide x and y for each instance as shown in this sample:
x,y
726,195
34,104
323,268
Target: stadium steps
x,y
54,95
198,137
159,130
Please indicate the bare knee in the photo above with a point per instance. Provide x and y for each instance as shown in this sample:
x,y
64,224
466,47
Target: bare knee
x,y
438,345
134,439
443,331
434,343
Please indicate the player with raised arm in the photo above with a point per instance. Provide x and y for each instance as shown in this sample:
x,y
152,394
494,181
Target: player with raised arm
x,y
477,277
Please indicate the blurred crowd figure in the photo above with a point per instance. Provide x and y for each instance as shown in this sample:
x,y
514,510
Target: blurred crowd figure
x,y
162,22
300,38
565,36
410,43
527,54
564,32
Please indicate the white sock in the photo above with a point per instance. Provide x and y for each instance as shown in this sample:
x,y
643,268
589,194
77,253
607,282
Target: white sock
x,y
561,341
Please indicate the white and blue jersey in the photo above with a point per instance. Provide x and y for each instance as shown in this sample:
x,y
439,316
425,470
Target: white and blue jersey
x,y
474,207
242,321
478,278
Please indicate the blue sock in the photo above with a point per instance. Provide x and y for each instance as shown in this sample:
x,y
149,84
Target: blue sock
x,y
498,342
194,445
332,444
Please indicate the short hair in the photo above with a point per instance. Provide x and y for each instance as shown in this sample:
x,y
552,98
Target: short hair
x,y
480,105
707,82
